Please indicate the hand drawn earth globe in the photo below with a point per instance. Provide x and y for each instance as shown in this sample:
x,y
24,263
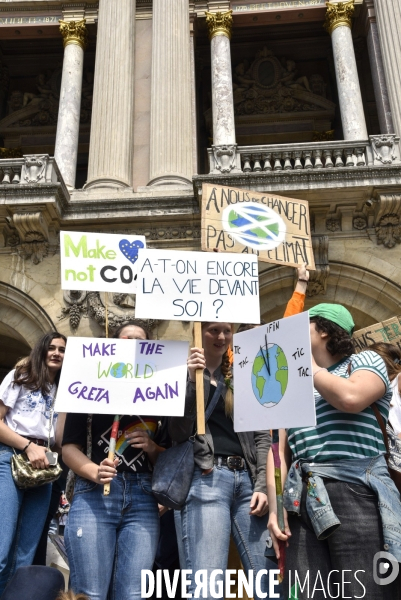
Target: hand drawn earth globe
x,y
254,225
270,389
118,370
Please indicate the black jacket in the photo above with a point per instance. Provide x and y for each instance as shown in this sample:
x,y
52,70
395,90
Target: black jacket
x,y
255,444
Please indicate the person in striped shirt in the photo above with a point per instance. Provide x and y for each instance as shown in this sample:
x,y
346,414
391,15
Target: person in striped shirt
x,y
342,505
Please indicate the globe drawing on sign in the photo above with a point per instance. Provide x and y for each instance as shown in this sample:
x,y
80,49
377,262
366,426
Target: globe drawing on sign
x,y
118,370
269,389
254,225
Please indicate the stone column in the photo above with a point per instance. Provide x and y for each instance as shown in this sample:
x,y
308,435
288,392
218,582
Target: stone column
x,y
193,98
338,24
388,14
111,139
66,151
377,69
171,162
224,142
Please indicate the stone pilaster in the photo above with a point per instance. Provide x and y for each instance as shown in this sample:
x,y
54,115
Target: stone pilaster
x,y
171,161
388,15
338,24
66,150
111,139
224,142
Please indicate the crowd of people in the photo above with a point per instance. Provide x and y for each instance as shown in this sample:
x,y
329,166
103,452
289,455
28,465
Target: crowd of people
x,y
342,507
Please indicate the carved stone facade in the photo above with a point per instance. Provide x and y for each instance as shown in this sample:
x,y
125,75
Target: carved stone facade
x,y
120,309
264,110
387,222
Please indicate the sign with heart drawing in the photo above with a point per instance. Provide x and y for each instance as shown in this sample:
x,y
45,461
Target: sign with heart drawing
x,y
99,262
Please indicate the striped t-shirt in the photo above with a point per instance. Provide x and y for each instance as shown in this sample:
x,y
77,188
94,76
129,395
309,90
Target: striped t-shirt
x,y
339,435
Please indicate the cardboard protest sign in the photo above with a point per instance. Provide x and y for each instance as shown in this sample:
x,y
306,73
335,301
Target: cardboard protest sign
x,y
99,262
275,228
194,286
125,377
388,331
273,382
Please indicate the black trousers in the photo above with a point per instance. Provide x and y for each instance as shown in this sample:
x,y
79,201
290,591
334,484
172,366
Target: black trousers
x,y
341,565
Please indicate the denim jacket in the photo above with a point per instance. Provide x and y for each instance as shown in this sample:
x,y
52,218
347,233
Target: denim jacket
x,y
371,472
255,444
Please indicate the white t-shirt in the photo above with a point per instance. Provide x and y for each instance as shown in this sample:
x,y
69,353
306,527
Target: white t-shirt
x,y
28,411
395,407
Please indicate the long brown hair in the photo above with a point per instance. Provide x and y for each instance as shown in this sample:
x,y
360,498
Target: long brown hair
x,y
391,355
227,371
34,374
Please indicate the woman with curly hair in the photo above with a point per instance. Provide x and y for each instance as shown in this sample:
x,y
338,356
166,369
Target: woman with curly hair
x,y
343,508
27,397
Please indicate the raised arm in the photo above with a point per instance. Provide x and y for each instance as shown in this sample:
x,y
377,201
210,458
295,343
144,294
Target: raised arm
x,y
297,300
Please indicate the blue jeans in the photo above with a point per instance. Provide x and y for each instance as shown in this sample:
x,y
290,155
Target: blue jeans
x,y
217,507
109,539
23,515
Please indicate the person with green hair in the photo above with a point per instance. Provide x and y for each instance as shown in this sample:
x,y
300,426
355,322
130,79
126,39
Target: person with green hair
x,y
342,507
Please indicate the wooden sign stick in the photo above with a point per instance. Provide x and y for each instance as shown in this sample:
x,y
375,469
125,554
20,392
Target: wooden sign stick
x,y
200,397
116,420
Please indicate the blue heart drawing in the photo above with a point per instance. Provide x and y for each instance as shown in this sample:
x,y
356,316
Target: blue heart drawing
x,y
130,249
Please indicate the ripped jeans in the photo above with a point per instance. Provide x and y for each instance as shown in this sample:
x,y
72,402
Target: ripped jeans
x,y
109,539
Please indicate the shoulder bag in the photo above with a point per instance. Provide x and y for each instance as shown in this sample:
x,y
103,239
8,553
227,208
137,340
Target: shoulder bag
x,y
24,475
174,468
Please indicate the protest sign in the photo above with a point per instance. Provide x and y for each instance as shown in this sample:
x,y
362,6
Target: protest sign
x,y
124,377
275,228
273,382
193,286
99,262
388,331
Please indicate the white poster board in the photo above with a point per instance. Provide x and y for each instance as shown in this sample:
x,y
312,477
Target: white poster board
x,y
99,262
273,382
127,377
197,286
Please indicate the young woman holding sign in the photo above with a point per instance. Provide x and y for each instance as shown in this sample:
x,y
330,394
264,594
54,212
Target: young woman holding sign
x,y
344,508
109,539
27,397
228,494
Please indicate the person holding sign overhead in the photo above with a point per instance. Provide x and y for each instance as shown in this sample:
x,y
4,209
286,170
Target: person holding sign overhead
x,y
110,538
343,506
228,491
27,422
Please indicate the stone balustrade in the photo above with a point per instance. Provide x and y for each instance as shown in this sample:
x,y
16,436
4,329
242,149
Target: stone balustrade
x,y
30,169
378,150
